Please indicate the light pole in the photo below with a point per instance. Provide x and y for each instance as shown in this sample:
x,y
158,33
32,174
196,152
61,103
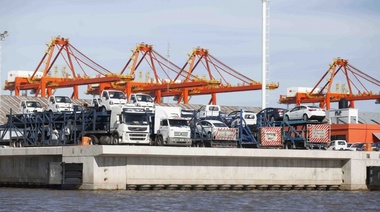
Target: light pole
x,y
2,38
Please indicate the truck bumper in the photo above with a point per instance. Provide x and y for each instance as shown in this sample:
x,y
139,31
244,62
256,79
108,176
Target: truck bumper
x,y
179,141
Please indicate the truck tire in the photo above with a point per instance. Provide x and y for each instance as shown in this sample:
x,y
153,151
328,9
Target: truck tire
x,y
160,141
94,140
305,118
115,139
288,145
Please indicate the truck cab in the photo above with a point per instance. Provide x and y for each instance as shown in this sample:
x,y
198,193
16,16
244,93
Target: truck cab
x,y
142,100
111,98
30,106
169,128
208,111
132,125
59,104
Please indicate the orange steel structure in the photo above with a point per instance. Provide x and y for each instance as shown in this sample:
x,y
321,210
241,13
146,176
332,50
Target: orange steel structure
x,y
168,79
44,84
215,68
354,79
161,67
185,83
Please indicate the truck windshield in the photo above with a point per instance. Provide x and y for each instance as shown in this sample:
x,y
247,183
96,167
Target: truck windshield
x,y
116,95
63,99
178,123
33,104
144,98
136,119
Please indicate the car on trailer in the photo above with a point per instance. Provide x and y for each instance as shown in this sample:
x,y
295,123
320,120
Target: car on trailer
x,y
249,117
305,113
271,114
209,128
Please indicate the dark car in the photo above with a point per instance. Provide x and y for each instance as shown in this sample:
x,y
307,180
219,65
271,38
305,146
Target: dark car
x,y
271,114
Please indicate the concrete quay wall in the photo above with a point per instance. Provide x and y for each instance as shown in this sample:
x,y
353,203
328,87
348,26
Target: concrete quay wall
x,y
125,167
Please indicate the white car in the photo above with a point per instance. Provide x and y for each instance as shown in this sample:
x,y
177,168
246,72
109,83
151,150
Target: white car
x,y
305,113
209,128
249,118
338,145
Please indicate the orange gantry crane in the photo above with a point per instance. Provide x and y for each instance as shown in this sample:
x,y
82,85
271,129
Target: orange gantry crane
x,y
323,94
43,82
185,82
219,75
162,70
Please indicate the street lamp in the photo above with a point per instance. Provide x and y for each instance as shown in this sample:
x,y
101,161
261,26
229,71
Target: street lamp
x,y
2,38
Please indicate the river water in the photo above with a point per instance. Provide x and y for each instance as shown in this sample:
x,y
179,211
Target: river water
x,y
17,199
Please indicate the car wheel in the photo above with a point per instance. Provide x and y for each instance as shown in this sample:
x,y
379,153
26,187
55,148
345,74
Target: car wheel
x,y
209,135
305,118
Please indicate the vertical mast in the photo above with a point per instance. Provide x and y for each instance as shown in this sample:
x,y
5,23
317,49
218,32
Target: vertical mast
x,y
265,56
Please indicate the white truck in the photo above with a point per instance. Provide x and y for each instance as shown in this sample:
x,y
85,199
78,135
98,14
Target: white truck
x,y
208,111
59,104
30,106
142,100
109,98
126,125
338,145
168,128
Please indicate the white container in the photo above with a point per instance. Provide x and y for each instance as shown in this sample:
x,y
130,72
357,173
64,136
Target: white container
x,y
20,73
292,91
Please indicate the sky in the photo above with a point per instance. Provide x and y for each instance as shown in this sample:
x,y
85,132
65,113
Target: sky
x,y
305,37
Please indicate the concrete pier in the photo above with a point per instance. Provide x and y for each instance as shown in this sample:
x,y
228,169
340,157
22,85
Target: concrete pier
x,y
145,167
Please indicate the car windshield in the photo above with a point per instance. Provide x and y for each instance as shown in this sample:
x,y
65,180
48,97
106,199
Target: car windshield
x,y
33,104
117,95
220,125
178,123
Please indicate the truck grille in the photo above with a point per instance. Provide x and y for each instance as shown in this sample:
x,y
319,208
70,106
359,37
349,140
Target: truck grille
x,y
181,133
137,129
137,137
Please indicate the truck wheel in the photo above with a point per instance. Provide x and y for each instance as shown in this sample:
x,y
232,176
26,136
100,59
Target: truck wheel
x,y
160,141
286,118
272,119
94,140
288,145
115,139
305,118
104,109
152,142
